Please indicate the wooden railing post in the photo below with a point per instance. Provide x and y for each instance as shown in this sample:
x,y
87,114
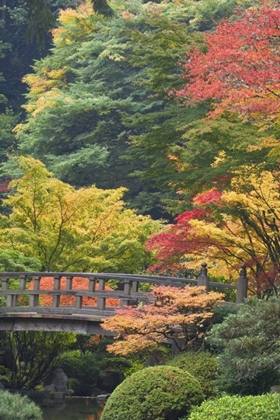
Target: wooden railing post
x,y
56,298
22,282
5,287
135,286
242,285
22,286
127,291
34,299
92,285
203,279
69,282
101,301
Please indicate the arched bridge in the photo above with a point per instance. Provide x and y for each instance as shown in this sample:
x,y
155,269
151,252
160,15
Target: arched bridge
x,y
77,302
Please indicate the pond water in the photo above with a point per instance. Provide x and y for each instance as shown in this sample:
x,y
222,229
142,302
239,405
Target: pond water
x,y
74,409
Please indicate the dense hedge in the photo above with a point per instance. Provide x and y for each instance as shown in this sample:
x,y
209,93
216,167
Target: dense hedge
x,y
261,407
17,407
203,366
154,393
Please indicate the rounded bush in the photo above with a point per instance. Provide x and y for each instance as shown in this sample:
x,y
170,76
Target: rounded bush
x,y
203,366
17,407
258,407
154,393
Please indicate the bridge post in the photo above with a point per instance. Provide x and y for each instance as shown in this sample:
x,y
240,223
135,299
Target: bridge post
x,y
22,282
242,285
203,279
127,291
34,299
101,301
92,285
135,286
5,287
56,298
69,282
22,286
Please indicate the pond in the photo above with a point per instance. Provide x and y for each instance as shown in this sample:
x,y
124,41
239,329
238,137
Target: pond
x,y
74,409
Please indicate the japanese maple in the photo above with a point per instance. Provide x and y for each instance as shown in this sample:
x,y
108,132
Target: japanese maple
x,y
238,226
180,239
240,70
176,315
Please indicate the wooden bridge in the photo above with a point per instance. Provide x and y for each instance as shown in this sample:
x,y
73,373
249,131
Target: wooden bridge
x,y
22,298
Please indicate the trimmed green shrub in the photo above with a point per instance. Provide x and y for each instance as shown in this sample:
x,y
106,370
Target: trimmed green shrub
x,y
203,366
17,407
261,407
154,393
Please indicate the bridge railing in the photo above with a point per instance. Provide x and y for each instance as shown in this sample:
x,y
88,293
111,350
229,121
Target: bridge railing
x,y
97,297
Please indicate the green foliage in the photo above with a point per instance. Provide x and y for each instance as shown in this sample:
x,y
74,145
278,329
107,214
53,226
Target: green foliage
x,y
221,312
32,355
230,294
40,20
99,109
177,143
8,140
239,408
106,83
154,393
11,260
15,406
102,7
203,366
249,359
87,361
81,135
84,369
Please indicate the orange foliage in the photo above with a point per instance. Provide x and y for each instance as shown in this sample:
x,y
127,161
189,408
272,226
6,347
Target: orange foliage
x,y
170,314
79,283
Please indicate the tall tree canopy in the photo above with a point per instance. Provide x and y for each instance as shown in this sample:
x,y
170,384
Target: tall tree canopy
x,y
106,85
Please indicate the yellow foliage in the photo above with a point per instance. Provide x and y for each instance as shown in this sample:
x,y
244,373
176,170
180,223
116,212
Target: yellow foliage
x,y
248,225
88,228
68,18
221,158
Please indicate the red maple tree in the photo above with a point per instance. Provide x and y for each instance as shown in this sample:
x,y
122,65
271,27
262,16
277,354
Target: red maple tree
x,y
170,246
79,283
240,72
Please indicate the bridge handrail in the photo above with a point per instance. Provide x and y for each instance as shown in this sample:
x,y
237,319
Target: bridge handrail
x,y
96,287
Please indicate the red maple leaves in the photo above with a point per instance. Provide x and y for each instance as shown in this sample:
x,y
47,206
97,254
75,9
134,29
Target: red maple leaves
x,y
79,283
179,240
240,72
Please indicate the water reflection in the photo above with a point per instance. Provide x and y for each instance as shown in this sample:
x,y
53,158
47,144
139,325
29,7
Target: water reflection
x,y
74,409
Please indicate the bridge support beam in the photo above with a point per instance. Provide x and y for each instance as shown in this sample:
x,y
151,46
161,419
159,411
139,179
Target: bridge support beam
x,y
59,325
